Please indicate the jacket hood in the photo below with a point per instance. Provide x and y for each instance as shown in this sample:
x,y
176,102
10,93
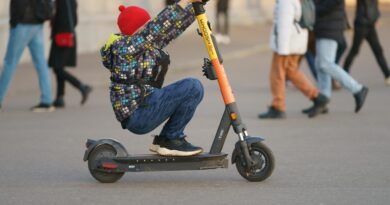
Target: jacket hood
x,y
106,51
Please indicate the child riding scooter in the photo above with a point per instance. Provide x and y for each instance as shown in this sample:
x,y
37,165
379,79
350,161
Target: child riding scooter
x,y
138,66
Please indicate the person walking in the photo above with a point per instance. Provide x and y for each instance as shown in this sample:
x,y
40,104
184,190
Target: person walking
x,y
63,51
26,31
329,30
367,14
222,14
289,43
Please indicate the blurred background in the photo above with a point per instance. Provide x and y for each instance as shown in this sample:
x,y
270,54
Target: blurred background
x,y
97,19
340,158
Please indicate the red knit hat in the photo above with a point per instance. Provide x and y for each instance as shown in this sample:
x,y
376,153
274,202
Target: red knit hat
x,y
131,19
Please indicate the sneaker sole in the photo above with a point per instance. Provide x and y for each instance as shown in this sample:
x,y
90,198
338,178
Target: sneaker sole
x,y
167,152
39,110
154,147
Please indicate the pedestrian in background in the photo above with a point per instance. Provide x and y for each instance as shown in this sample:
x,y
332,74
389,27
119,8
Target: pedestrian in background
x,y
329,30
289,43
222,14
26,31
367,14
63,51
310,57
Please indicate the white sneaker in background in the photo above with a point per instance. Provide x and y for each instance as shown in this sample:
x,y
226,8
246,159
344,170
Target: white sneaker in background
x,y
218,38
41,107
388,81
226,39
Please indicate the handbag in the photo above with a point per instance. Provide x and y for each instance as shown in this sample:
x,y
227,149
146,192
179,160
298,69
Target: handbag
x,y
65,39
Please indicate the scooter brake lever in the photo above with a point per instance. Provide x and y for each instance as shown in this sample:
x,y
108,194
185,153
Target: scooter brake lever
x,y
204,2
199,33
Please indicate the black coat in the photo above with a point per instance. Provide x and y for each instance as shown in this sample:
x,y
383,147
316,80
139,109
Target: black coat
x,y
367,12
330,19
65,20
22,11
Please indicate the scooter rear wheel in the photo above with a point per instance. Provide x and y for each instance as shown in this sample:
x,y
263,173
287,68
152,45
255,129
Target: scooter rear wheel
x,y
264,163
99,152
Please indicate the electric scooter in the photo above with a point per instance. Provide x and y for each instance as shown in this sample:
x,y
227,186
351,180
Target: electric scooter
x,y
108,159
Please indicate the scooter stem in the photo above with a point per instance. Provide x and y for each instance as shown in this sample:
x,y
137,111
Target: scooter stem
x,y
223,81
212,50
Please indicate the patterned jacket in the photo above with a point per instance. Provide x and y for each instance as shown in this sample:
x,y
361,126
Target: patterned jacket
x,y
137,58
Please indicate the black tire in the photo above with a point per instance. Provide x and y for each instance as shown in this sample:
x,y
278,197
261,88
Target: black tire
x,y
98,153
264,163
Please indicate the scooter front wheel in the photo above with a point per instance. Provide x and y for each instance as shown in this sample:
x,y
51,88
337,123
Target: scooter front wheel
x,y
263,166
102,151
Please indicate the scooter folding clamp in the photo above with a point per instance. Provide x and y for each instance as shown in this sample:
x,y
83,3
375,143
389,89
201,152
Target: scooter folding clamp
x,y
208,69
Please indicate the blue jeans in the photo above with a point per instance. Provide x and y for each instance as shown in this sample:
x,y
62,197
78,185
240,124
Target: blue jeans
x,y
176,102
327,69
22,36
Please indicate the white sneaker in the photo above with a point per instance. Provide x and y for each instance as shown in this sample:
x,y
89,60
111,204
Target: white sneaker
x,y
388,81
43,108
218,38
226,39
157,141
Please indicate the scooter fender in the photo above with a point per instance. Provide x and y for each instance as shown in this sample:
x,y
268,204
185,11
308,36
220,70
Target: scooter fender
x,y
249,141
120,149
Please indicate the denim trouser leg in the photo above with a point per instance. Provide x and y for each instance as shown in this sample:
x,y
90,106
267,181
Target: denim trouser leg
x,y
327,68
17,41
36,47
176,102
20,37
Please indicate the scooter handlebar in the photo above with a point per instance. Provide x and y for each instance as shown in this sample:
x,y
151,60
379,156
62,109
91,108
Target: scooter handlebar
x,y
204,2
199,7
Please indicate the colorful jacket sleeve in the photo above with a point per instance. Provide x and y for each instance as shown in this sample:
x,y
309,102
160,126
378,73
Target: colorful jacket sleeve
x,y
158,32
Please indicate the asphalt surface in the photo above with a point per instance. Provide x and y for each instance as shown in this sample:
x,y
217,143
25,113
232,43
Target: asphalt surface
x,y
338,158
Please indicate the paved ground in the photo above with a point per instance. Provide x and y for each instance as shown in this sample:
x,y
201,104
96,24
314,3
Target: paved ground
x,y
339,158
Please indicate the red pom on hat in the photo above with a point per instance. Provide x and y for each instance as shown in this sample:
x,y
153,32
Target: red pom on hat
x,y
131,19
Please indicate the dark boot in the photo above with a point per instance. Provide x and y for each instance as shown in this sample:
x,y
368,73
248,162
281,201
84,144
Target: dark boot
x,y
59,102
85,90
308,110
319,105
360,98
272,113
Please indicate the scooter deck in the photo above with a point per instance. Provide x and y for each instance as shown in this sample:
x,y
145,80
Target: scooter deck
x,y
154,162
